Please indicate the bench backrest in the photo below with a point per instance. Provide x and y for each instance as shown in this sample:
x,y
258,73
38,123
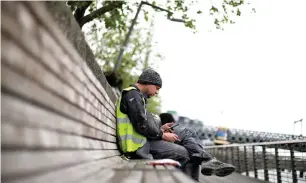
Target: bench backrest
x,y
57,119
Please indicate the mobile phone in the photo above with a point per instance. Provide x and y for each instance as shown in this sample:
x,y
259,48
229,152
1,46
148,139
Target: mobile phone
x,y
173,126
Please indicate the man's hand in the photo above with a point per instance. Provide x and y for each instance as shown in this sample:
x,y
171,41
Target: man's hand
x,y
170,137
167,126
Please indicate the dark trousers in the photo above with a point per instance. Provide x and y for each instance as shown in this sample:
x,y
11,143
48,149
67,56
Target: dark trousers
x,y
190,140
161,149
180,151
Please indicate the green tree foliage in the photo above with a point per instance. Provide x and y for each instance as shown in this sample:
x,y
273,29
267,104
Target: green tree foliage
x,y
106,46
138,55
117,11
107,23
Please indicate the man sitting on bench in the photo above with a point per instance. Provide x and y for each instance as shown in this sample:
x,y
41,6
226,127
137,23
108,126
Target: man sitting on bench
x,y
134,130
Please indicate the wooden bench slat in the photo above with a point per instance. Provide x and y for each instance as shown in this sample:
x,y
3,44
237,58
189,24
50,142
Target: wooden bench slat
x,y
182,178
71,174
16,136
160,167
28,162
140,165
22,113
52,64
47,22
121,165
48,80
135,176
75,75
170,168
118,177
96,88
101,176
151,176
22,15
166,176
131,164
149,167
26,88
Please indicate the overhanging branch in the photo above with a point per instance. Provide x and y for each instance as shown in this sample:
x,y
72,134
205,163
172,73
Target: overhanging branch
x,y
80,11
100,12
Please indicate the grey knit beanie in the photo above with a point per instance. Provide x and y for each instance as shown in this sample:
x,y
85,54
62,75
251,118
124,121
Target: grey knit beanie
x,y
150,76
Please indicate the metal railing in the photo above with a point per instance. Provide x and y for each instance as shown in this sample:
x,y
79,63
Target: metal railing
x,y
283,161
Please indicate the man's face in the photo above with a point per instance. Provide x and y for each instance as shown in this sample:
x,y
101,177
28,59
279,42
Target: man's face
x,y
152,90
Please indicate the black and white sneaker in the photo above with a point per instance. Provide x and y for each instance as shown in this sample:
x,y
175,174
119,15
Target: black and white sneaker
x,y
216,167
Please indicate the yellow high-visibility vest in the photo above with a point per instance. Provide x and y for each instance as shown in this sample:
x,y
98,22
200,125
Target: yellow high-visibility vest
x,y
129,139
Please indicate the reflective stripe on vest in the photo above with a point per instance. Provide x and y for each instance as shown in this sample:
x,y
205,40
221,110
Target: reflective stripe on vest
x,y
129,139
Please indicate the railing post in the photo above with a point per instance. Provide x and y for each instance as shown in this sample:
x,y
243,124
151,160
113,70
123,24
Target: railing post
x,y
222,153
226,155
238,161
277,163
301,174
293,165
217,153
265,163
233,156
210,150
254,162
246,161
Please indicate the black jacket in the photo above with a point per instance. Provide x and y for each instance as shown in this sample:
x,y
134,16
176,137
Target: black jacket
x,y
133,105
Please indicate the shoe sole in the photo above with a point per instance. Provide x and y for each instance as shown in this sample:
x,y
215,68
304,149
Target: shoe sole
x,y
225,171
222,172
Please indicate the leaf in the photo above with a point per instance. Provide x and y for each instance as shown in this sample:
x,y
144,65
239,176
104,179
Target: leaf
x,y
235,4
190,24
224,8
238,12
225,19
214,9
199,12
216,22
146,15
169,15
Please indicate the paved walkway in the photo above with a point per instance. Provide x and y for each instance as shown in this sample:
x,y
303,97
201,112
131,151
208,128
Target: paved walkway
x,y
233,178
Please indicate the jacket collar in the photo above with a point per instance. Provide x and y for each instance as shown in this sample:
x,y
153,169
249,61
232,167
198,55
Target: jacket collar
x,y
144,95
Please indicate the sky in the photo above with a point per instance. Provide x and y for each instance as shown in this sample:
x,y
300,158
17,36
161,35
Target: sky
x,y
249,76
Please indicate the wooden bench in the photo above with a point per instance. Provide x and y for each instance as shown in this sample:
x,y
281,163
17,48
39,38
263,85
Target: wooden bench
x,y
58,123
